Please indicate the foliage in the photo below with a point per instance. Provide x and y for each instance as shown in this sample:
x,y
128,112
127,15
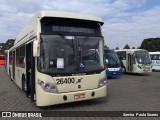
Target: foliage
x,y
126,46
105,46
117,48
151,44
5,46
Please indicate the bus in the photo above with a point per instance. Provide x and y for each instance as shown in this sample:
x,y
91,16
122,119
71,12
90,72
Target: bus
x,y
48,60
155,57
1,59
113,63
7,61
135,60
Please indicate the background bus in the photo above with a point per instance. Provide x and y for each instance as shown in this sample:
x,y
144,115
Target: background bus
x,y
135,60
1,59
49,62
155,57
113,63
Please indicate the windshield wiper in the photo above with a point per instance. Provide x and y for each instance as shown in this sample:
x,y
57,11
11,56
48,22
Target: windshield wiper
x,y
63,38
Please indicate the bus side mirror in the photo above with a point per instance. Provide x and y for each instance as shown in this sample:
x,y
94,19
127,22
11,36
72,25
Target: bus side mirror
x,y
36,47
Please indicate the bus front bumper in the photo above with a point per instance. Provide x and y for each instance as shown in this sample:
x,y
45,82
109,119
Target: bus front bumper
x,y
46,99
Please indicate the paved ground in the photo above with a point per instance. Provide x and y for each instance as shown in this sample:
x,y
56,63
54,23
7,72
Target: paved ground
x,y
127,93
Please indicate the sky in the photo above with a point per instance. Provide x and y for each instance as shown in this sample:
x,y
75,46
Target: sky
x,y
125,21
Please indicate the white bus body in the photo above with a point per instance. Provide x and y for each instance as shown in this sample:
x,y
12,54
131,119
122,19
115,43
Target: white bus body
x,y
155,57
135,60
48,60
7,61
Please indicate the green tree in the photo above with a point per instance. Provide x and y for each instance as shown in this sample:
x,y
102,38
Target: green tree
x,y
105,46
5,46
133,48
126,46
117,48
151,44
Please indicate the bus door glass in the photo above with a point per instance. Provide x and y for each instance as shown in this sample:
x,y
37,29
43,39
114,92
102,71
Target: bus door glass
x,y
13,65
130,65
30,71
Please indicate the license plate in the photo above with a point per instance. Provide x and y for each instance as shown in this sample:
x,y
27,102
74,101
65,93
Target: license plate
x,y
114,73
79,96
146,69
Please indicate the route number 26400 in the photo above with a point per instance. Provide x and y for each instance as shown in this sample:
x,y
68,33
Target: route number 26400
x,y
65,80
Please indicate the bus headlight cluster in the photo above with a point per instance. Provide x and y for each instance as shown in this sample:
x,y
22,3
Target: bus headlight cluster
x,y
102,82
48,87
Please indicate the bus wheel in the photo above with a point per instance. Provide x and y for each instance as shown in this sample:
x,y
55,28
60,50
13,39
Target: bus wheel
x,y
24,85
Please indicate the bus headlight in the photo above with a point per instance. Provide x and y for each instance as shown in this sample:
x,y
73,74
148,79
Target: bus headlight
x,y
48,87
102,82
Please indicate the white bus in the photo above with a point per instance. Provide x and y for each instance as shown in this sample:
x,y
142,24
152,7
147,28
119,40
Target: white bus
x,y
135,60
155,57
48,60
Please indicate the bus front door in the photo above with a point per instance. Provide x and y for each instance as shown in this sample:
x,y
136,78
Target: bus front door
x,y
130,65
30,71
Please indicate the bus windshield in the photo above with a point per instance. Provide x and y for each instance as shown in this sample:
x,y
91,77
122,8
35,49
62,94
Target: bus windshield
x,y
112,58
143,57
70,54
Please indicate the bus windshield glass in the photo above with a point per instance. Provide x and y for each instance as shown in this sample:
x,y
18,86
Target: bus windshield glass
x,y
155,56
143,57
112,59
70,54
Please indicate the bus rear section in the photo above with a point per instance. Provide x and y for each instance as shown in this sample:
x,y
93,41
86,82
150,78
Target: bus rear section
x,y
113,63
2,61
155,57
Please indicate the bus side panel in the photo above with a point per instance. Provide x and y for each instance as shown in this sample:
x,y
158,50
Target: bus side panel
x,y
18,75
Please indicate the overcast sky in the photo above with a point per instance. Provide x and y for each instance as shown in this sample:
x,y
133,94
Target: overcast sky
x,y
126,21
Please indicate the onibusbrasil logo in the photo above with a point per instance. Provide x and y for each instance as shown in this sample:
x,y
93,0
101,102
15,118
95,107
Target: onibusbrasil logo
x,y
21,114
